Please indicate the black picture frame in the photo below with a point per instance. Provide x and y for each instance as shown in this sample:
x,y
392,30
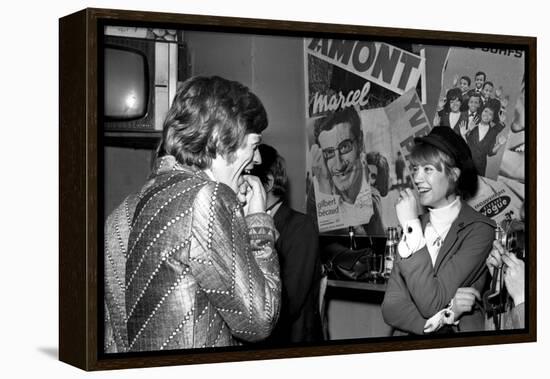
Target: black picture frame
x,y
80,198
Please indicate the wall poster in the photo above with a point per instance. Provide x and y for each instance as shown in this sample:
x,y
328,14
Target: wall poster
x,y
366,101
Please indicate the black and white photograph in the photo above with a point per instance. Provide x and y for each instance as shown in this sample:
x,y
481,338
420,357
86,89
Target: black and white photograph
x,y
260,189
410,220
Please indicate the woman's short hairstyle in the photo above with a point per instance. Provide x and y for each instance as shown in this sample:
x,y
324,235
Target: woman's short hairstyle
x,y
454,93
210,116
493,107
489,106
467,79
465,185
272,164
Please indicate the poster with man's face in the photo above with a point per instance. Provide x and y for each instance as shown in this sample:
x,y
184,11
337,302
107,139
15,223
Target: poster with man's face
x,y
355,165
366,101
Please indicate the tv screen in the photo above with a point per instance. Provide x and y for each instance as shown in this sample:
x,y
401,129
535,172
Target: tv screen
x,y
126,84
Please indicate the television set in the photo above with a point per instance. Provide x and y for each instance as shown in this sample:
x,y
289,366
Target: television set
x,y
140,74
126,83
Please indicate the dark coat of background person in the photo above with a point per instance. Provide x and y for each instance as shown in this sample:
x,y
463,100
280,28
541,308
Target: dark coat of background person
x,y
298,251
484,148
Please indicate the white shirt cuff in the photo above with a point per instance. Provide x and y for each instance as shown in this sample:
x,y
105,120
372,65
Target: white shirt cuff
x,y
443,317
413,239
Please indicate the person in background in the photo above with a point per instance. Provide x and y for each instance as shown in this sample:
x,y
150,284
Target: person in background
x,y
441,250
513,158
337,156
379,178
400,169
450,118
470,117
379,172
340,168
480,79
198,265
514,280
299,259
464,85
488,99
485,139
513,268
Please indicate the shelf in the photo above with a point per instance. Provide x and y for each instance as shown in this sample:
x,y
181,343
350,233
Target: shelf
x,y
136,140
357,285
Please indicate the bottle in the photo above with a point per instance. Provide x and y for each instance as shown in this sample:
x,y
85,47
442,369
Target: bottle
x,y
390,252
351,234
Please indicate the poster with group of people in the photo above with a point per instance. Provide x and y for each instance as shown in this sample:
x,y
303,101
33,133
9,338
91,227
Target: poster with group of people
x,y
367,101
491,120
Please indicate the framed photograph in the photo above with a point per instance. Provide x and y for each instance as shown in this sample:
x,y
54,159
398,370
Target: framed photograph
x,y
239,189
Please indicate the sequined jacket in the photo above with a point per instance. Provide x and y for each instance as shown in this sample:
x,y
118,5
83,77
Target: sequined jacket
x,y
184,268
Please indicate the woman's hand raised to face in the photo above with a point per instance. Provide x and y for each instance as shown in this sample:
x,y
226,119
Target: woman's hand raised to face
x,y
407,206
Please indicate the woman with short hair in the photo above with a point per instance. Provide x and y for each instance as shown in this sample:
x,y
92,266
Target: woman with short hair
x,y
442,250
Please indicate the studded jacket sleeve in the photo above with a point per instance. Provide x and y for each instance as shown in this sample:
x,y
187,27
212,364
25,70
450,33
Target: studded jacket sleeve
x,y
234,262
117,228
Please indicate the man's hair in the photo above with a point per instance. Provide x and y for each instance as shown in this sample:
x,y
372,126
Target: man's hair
x,y
272,164
467,79
481,73
488,83
348,115
210,116
475,94
466,184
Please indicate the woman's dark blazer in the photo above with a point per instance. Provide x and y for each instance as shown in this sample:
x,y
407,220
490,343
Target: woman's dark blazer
x,y
417,289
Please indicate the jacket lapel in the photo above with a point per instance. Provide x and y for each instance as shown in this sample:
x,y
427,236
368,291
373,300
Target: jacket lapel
x,y
448,243
450,239
466,216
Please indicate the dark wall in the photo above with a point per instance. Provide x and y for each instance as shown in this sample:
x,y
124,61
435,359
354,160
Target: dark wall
x,y
125,172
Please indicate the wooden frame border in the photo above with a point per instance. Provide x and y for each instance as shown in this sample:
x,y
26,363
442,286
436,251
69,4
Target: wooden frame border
x,y
78,187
